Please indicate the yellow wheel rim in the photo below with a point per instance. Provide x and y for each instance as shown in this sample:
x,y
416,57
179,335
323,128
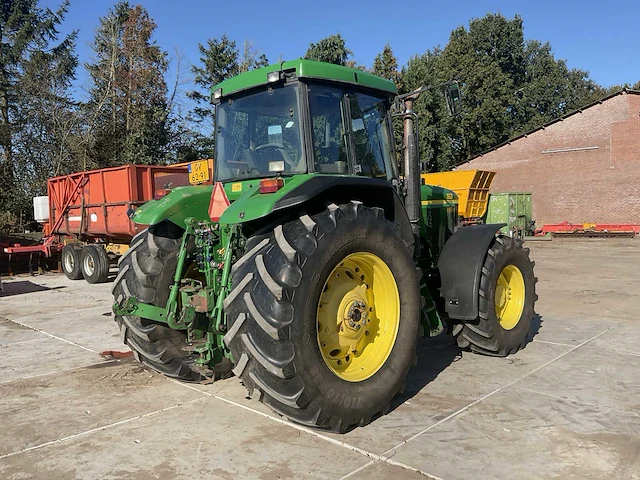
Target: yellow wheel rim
x,y
358,316
509,297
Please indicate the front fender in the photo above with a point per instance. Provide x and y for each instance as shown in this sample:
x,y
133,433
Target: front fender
x,y
180,204
460,265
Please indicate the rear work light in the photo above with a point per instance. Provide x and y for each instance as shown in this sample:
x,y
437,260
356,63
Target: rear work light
x,y
271,185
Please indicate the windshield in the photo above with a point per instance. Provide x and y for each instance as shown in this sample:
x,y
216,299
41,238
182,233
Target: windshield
x,y
259,134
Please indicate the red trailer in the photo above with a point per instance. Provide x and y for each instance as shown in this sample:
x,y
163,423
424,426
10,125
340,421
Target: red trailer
x,y
86,215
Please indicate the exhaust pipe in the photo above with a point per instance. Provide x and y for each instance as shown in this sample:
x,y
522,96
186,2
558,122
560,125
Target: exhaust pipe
x,y
411,166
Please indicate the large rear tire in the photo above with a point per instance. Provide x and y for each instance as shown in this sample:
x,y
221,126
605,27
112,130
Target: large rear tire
x,y
294,353
507,298
146,272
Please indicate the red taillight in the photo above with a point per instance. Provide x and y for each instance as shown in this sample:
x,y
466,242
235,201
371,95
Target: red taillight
x,y
271,185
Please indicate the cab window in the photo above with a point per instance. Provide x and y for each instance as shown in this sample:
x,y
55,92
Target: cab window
x,y
326,105
370,134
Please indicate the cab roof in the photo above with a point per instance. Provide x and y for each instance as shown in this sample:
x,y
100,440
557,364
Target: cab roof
x,y
306,69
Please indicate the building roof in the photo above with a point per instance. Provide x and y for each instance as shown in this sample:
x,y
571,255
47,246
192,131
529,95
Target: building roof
x,y
559,119
306,69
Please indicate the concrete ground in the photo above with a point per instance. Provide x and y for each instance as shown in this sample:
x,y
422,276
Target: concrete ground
x,y
567,406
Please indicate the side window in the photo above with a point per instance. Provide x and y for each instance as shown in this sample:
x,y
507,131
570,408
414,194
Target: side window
x,y
370,133
236,138
327,123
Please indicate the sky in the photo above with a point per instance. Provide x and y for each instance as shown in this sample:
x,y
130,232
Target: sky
x,y
603,41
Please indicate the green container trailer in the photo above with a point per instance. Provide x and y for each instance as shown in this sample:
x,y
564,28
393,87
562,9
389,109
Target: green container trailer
x,y
511,208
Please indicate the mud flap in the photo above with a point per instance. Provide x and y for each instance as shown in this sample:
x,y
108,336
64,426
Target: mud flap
x,y
460,266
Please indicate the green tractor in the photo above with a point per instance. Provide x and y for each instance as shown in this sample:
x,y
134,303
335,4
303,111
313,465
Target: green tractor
x,y
312,265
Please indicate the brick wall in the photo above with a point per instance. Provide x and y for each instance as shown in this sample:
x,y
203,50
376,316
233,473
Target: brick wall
x,y
599,184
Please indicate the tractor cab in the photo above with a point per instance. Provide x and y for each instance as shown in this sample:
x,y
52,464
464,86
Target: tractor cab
x,y
286,121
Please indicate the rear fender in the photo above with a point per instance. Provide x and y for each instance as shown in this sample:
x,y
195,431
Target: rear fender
x,y
180,204
311,194
460,265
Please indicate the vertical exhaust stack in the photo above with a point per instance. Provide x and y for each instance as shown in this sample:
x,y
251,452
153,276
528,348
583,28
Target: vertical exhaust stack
x,y
411,166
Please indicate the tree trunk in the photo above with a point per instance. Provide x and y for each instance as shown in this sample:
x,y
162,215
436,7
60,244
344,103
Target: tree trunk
x,y
6,168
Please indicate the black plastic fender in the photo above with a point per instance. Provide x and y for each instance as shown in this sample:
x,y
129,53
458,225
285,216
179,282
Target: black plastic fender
x,y
372,192
460,265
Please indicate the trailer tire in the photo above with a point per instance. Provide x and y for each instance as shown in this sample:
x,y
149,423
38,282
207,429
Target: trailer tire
x,y
94,264
146,272
71,262
506,303
276,326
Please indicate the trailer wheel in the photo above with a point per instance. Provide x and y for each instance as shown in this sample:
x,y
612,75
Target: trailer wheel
x,y
323,316
507,298
146,272
71,262
94,264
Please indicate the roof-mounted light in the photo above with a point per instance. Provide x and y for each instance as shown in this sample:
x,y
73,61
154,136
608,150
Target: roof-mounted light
x,y
217,94
276,167
273,77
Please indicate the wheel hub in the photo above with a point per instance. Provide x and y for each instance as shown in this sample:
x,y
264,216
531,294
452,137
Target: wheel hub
x,y
69,262
355,317
358,316
509,297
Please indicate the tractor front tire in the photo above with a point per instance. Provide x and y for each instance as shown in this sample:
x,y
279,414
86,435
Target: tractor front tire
x,y
341,366
146,273
506,303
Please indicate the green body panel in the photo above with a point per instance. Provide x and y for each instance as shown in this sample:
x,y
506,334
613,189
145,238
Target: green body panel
x,y
180,204
252,204
514,209
247,203
306,69
438,220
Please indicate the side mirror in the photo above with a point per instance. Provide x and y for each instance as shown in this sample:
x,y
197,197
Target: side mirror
x,y
454,99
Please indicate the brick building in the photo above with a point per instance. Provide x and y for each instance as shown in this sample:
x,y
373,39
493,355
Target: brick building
x,y
581,168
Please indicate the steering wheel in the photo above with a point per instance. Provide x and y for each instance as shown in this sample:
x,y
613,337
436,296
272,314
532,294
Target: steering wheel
x,y
280,149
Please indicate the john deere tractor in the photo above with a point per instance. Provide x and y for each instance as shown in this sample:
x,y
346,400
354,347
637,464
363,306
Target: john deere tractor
x,y
311,265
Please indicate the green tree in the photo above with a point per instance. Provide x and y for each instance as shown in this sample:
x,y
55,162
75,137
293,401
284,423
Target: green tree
x,y
636,86
385,65
128,98
220,59
508,87
549,89
332,49
438,142
36,68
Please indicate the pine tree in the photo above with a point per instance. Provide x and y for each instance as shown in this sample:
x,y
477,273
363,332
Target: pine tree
x,y
385,65
332,49
220,59
128,99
